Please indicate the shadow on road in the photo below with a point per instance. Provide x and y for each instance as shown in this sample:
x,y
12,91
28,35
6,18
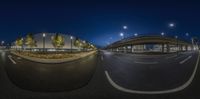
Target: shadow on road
x,y
51,77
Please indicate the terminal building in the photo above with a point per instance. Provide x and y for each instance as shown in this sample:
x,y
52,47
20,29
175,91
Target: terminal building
x,y
144,44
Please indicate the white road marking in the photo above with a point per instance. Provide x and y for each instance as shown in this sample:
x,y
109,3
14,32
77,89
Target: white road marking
x,y
10,57
171,56
183,61
179,57
146,62
155,92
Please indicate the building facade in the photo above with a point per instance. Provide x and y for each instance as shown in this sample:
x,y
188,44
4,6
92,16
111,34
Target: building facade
x,y
44,42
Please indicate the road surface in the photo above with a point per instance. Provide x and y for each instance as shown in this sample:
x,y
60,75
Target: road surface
x,y
22,79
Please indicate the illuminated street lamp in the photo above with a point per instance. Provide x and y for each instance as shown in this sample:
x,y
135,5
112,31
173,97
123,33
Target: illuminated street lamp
x,y
135,34
162,33
187,34
122,35
2,43
171,25
44,36
71,38
125,27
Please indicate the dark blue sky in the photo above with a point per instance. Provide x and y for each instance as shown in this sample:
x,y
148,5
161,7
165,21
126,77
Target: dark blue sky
x,y
98,21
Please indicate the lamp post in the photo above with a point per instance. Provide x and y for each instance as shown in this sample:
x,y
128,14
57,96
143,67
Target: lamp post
x,y
187,35
22,44
71,38
177,44
136,34
2,43
125,28
122,35
43,35
172,25
162,34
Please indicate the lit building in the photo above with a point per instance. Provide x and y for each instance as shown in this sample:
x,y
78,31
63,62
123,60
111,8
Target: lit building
x,y
44,41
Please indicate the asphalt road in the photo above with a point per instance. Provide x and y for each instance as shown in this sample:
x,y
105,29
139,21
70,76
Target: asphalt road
x,y
150,73
102,76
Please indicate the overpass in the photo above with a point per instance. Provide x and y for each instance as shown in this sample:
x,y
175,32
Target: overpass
x,y
142,44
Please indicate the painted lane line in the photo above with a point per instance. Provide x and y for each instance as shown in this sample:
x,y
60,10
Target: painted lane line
x,y
183,61
10,57
179,57
146,62
171,56
186,84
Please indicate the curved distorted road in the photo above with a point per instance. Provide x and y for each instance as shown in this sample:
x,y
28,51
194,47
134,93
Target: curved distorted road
x,y
86,78
50,77
150,73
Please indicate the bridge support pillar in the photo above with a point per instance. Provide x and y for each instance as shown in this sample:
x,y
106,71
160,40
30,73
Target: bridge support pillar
x,y
132,49
186,48
181,48
162,49
168,48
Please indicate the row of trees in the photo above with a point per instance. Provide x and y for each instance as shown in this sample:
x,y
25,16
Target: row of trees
x,y
29,41
58,41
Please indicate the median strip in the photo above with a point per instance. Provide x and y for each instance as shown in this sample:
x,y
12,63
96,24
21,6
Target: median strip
x,y
54,61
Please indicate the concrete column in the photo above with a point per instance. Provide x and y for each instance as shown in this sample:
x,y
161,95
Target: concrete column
x,y
162,49
186,48
143,48
132,48
124,49
168,48
181,47
127,49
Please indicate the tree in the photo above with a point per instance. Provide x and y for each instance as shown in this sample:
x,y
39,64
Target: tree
x,y
30,42
78,43
19,42
86,45
58,41
92,47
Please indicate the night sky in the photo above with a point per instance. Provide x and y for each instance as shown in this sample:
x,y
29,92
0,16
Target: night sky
x,y
99,22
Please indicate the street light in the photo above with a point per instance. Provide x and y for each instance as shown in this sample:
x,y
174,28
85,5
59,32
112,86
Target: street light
x,y
177,44
135,34
2,42
43,35
125,27
171,25
187,34
162,33
71,38
122,35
